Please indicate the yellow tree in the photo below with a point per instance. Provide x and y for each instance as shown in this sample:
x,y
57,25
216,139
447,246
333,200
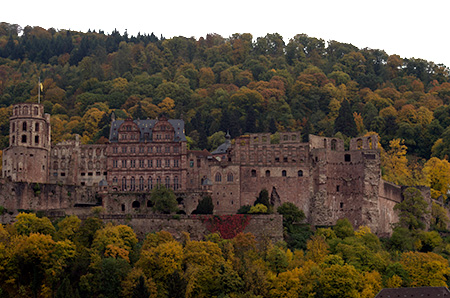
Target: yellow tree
x,y
425,269
437,175
395,164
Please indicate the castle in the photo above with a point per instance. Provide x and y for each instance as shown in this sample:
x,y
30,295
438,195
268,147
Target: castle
x,y
322,178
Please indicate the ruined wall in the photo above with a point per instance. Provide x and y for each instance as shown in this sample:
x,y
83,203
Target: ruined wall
x,y
262,226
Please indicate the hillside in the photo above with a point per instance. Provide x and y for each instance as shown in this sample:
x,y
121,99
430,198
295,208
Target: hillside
x,y
239,84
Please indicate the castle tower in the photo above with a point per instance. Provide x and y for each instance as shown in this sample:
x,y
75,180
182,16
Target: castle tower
x,y
27,157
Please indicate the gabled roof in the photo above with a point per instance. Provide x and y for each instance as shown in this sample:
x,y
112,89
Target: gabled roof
x,y
146,126
414,292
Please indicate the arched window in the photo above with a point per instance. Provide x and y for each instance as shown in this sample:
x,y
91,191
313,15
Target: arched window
x,y
333,144
135,204
115,180
132,184
167,180
24,126
175,183
25,110
283,173
150,183
124,183
230,177
36,111
158,181
300,173
359,144
267,173
141,183
253,173
218,177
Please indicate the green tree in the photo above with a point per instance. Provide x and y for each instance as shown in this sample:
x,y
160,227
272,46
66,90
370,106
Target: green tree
x,y
291,213
205,206
164,200
412,210
345,122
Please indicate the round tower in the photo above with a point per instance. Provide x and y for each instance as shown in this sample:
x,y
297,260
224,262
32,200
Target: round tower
x,y
26,158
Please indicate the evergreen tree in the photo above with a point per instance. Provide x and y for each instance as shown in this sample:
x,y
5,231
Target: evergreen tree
x,y
345,123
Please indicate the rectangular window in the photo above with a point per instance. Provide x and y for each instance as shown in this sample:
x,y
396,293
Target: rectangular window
x,y
158,149
198,163
167,149
176,163
176,149
141,163
158,163
115,163
191,163
124,149
167,163
141,149
150,163
115,150
132,163
124,163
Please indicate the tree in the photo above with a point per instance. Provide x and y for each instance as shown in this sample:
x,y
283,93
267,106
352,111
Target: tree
x,y
164,200
437,175
395,163
412,210
291,213
205,206
425,269
345,122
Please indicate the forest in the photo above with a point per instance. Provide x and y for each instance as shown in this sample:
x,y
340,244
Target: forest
x,y
72,258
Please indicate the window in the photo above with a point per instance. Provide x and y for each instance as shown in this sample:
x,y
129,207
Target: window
x,y
135,204
150,163
133,150
218,177
36,127
191,163
115,162
341,205
198,163
230,177
115,180
24,126
333,144
176,163
267,173
253,173
167,180
114,149
175,183
141,183
176,149
132,184
55,165
158,149
36,140
285,159
158,180
141,149
141,163
337,188
150,183
132,163
283,173
24,138
359,144
167,149
158,163
124,183
347,157
124,149
167,163
300,173
124,163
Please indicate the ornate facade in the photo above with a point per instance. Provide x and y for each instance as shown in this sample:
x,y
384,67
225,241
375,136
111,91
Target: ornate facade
x,y
319,176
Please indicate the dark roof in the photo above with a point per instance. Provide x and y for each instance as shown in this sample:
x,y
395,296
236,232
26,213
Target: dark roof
x,y
224,147
203,152
146,126
414,292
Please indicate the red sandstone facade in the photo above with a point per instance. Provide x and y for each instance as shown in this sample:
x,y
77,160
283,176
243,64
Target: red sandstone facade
x,y
320,176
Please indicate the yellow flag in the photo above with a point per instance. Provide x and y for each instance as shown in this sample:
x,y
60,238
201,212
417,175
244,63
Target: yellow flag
x,y
41,86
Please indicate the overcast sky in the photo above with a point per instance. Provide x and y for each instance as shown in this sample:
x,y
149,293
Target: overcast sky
x,y
411,28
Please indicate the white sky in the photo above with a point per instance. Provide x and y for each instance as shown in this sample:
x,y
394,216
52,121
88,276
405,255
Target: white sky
x,y
411,28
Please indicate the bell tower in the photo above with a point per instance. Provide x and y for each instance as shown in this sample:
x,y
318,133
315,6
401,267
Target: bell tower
x,y
27,157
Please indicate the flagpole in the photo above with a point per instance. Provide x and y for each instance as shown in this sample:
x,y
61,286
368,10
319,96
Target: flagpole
x,y
39,90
